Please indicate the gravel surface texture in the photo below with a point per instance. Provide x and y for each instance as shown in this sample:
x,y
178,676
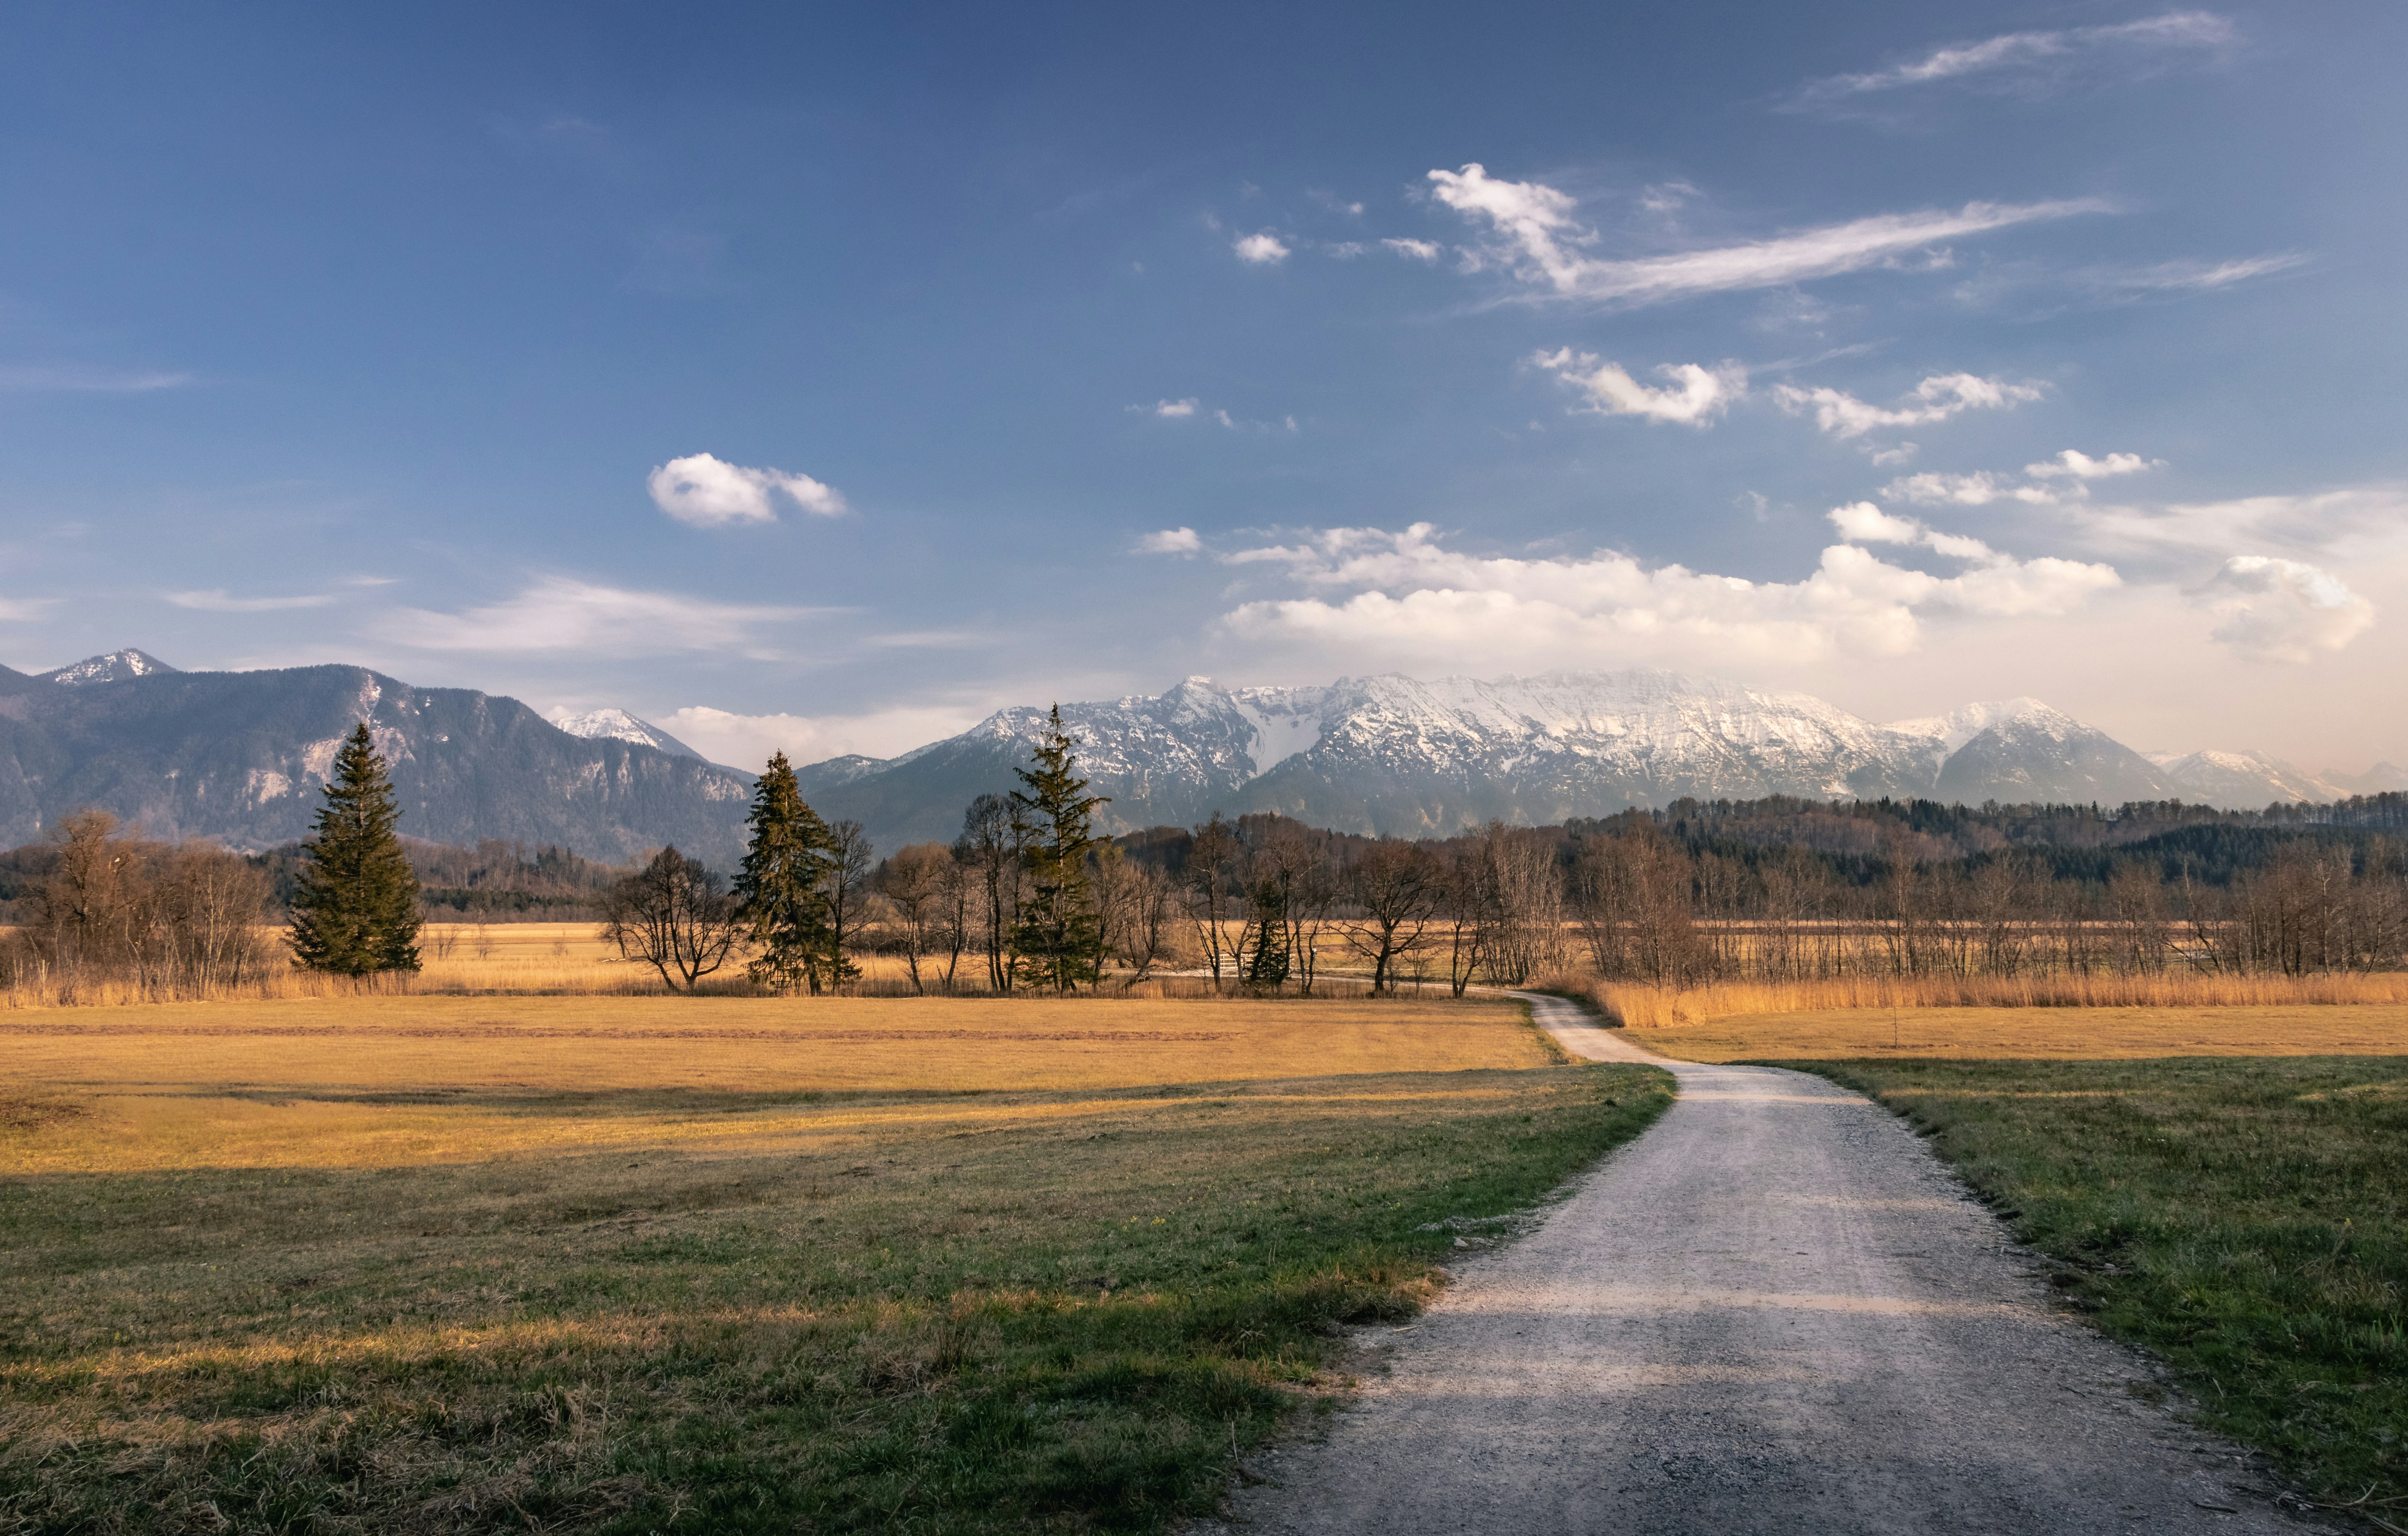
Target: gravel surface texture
x,y
1774,1312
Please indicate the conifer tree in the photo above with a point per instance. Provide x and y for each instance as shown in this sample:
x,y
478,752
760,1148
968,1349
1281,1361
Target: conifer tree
x,y
781,889
1060,936
356,909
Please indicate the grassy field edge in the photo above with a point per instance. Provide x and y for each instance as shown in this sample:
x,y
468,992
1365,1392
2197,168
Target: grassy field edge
x,y
2239,1218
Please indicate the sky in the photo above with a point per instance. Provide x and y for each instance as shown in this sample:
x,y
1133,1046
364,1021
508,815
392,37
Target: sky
x,y
825,377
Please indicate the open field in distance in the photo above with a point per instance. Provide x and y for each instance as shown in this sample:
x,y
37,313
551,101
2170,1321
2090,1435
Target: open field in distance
x,y
2030,1033
468,1264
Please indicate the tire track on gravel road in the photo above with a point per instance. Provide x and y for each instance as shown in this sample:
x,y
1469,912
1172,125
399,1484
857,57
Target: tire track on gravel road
x,y
1775,1310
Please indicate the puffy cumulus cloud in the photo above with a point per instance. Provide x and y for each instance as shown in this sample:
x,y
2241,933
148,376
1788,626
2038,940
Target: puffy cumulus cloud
x,y
1420,251
2281,610
1862,522
1538,240
1406,596
1936,399
1170,541
2079,466
2026,56
710,492
563,614
1261,249
746,741
1696,396
1170,410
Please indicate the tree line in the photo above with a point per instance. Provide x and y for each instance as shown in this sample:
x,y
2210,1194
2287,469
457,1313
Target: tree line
x,y
1030,897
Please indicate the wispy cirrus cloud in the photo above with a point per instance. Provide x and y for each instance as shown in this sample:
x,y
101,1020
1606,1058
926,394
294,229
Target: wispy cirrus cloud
x,y
2026,60
1696,395
1537,238
217,600
2197,277
1935,398
706,492
79,379
564,613
26,610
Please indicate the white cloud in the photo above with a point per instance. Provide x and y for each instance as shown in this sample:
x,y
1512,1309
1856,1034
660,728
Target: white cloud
x,y
1413,601
2200,276
560,613
1699,394
1421,251
2081,466
710,492
26,610
1261,249
1899,455
2027,52
2284,610
1346,250
1170,410
1170,541
1936,399
77,379
216,601
746,741
1976,490
1542,244
1862,522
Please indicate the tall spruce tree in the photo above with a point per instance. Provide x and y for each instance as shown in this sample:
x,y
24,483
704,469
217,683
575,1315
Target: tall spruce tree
x,y
781,889
356,909
1060,936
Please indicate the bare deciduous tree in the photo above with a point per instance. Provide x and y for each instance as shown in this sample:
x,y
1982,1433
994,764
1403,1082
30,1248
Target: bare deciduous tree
x,y
675,915
915,883
1398,887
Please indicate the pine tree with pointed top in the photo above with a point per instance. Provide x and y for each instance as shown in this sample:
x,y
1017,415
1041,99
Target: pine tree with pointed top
x,y
355,912
781,888
1060,936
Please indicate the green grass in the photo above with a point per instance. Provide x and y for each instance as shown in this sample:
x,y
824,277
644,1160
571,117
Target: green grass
x,y
2247,1219
1068,1317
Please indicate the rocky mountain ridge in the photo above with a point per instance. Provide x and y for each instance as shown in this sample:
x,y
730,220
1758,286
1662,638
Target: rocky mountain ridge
x,y
239,757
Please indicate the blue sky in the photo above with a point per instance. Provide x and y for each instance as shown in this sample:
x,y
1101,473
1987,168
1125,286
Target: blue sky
x,y
825,377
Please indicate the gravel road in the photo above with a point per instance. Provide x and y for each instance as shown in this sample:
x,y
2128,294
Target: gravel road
x,y
1773,1312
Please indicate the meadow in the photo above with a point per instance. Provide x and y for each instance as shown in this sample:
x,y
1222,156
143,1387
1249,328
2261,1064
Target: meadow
x,y
453,1263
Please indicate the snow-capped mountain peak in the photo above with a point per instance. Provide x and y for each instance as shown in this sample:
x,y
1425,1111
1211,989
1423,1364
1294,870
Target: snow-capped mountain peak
x,y
618,725
115,667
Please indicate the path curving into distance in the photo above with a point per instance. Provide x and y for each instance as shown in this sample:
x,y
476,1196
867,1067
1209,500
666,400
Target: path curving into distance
x,y
1774,1312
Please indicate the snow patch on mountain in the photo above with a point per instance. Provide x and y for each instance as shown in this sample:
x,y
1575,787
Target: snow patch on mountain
x,y
618,725
114,667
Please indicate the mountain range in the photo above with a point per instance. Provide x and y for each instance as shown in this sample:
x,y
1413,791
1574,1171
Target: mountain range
x,y
239,757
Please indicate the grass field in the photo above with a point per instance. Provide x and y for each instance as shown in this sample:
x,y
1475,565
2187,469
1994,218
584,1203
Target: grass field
x,y
614,1264
2246,1218
2015,1033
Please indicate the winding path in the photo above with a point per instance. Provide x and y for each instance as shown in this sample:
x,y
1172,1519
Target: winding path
x,y
1773,1312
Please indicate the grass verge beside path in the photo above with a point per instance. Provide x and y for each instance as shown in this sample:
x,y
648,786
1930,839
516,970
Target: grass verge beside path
x,y
2245,1220
868,1311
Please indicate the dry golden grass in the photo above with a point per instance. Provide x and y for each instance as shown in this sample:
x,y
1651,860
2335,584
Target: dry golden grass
x,y
1647,1007
379,1080
453,1263
2035,1034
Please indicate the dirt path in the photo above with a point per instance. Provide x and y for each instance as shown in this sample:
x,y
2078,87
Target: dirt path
x,y
1774,1312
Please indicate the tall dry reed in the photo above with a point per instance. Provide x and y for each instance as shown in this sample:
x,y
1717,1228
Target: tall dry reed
x,y
1647,1007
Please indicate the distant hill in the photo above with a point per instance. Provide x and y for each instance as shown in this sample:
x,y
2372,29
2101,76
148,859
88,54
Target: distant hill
x,y
239,757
